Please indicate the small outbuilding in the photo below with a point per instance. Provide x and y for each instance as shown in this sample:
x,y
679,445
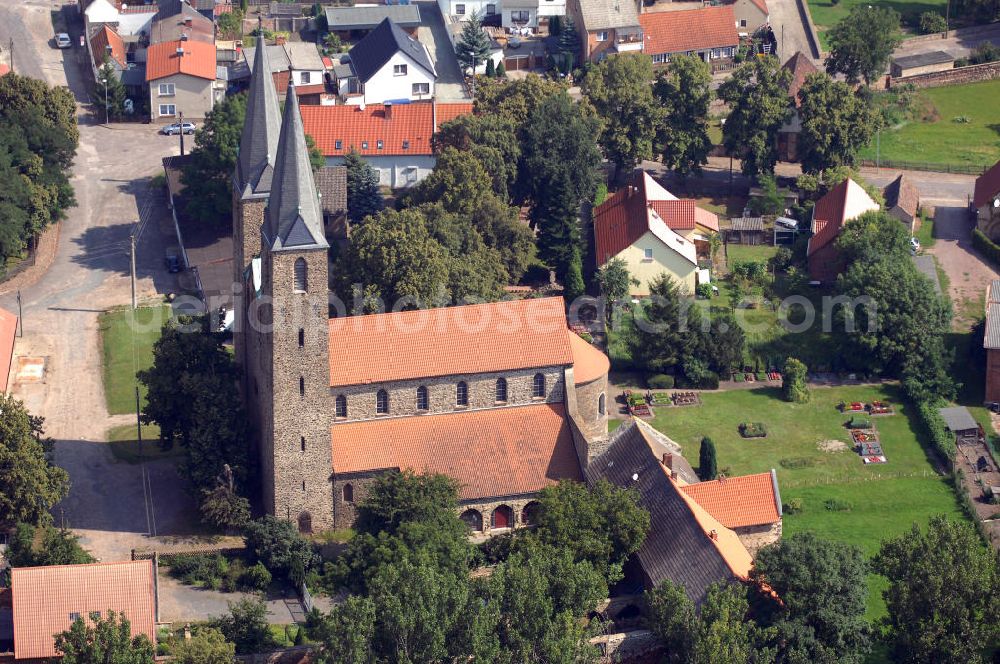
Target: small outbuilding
x,y
961,423
746,230
902,201
921,63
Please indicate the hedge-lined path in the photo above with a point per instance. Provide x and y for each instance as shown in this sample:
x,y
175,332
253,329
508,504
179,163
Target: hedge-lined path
x,y
969,274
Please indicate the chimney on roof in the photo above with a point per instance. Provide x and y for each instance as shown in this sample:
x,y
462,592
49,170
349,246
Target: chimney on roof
x,y
180,52
668,460
188,21
184,36
713,535
388,110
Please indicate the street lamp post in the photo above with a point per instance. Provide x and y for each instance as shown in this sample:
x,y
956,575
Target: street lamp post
x,y
105,82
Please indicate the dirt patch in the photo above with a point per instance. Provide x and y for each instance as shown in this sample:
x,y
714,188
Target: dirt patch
x,y
48,242
832,446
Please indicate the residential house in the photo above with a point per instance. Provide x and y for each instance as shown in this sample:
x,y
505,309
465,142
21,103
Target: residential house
x,y
176,20
47,600
902,201
331,183
751,16
800,67
107,45
8,330
709,32
517,14
395,139
686,543
606,27
653,231
386,65
986,202
278,64
308,71
182,79
991,342
461,10
848,200
360,20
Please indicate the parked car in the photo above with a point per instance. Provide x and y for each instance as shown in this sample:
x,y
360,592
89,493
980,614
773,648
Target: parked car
x,y
63,40
173,263
177,127
914,245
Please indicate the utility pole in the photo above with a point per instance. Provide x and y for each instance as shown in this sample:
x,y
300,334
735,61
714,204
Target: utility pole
x,y
947,18
181,133
20,316
132,263
11,55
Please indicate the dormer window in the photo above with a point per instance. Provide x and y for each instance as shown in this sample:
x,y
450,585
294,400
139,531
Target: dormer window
x,y
406,145
338,144
364,145
379,145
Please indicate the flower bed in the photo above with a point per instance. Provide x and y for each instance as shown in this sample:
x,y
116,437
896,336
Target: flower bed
x,y
661,399
685,398
642,410
774,375
753,430
864,436
853,407
880,408
859,422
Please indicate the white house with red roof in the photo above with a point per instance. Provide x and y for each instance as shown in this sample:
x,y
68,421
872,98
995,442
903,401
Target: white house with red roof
x,y
848,200
709,32
395,139
986,202
653,231
181,76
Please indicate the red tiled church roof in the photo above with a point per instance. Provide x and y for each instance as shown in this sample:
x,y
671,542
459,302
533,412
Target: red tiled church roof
x,y
491,453
736,502
689,30
448,341
44,598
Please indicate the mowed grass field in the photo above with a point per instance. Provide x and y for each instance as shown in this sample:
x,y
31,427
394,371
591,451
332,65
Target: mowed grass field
x,y
826,14
881,500
127,345
946,141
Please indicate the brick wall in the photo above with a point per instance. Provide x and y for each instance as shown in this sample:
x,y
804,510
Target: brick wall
x,y
361,399
297,435
992,375
957,76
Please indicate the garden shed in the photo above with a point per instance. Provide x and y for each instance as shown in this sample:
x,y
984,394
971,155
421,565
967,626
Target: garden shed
x,y
746,230
961,423
921,63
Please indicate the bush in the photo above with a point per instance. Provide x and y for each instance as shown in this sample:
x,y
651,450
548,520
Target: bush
x,y
660,382
797,462
986,246
931,22
936,430
985,52
708,468
836,505
497,549
256,577
793,506
753,430
600,193
703,291
793,381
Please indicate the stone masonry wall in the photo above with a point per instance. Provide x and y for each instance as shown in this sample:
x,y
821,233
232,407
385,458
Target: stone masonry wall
x,y
755,537
957,76
248,216
299,434
593,423
361,399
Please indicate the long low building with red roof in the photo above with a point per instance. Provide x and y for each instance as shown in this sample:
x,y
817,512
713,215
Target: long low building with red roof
x,y
395,138
709,32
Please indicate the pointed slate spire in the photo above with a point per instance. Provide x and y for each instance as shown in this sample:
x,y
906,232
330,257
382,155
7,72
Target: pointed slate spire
x,y
259,140
294,219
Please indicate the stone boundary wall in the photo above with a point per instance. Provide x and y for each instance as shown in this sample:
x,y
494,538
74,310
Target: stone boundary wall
x,y
811,34
966,33
971,74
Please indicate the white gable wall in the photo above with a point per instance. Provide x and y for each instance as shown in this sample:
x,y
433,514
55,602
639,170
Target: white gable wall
x,y
396,171
101,11
384,85
482,7
133,24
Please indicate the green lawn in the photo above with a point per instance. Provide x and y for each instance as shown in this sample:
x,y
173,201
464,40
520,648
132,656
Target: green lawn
x,y
127,348
125,445
884,500
749,252
826,14
945,141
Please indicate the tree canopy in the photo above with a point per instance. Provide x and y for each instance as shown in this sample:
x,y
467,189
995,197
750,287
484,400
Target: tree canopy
x,y
363,195
38,547
943,598
862,43
619,89
836,123
108,92
105,640
757,95
29,483
206,646
684,92
207,177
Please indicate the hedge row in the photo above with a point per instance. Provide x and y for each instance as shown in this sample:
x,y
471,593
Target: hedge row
x,y
986,246
937,431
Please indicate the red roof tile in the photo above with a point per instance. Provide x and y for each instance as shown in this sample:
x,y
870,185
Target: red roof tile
x,y
679,214
355,127
689,30
800,66
4,69
987,186
588,362
44,598
99,46
844,202
518,450
163,60
448,341
8,328
221,9
736,502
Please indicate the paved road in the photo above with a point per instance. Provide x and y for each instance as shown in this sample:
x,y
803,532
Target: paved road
x,y
433,34
790,30
90,273
959,44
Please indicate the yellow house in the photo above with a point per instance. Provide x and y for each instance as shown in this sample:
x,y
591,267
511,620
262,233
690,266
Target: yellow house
x,y
654,232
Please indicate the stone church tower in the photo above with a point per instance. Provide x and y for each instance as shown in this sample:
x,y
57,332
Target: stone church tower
x,y
295,447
